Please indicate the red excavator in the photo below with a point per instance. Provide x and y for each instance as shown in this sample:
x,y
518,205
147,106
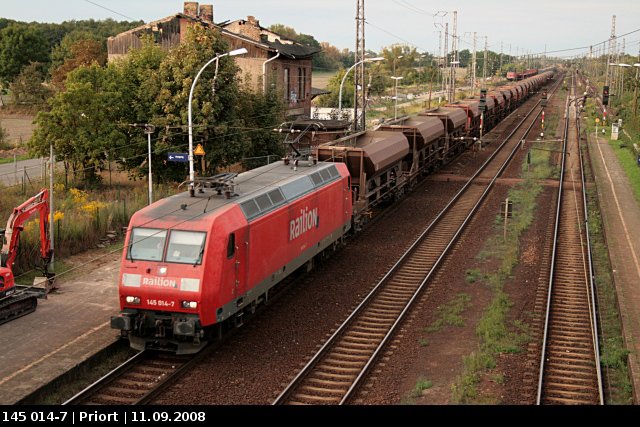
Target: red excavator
x,y
18,300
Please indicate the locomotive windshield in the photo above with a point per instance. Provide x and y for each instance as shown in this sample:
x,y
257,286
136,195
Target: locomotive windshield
x,y
185,247
147,244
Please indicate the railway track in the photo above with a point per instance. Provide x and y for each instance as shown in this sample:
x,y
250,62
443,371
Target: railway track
x,y
335,372
136,381
570,362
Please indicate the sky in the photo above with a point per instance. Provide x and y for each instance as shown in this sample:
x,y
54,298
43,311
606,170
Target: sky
x,y
510,26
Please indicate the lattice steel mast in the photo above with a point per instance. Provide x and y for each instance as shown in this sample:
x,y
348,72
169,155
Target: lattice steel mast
x,y
359,110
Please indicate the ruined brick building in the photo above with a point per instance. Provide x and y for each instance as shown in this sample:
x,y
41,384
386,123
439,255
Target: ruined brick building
x,y
272,60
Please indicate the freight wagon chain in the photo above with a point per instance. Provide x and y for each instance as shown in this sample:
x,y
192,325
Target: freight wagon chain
x,y
336,371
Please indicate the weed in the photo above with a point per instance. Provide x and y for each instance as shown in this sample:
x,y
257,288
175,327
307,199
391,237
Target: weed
x,y
449,314
421,385
498,378
473,275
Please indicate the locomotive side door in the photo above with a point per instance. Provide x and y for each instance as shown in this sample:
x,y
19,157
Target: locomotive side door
x,y
241,250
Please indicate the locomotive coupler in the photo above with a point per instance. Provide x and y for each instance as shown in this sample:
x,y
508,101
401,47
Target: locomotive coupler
x,y
160,329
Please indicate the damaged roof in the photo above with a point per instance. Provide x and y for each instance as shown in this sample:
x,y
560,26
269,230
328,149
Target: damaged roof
x,y
289,49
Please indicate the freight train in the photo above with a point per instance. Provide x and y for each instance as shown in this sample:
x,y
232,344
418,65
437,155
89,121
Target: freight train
x,y
201,260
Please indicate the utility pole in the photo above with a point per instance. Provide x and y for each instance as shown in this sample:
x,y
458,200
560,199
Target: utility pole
x,y
441,60
635,90
473,61
612,42
454,49
360,123
446,57
148,130
621,69
484,68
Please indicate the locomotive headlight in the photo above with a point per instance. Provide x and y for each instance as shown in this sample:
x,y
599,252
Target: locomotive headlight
x,y
133,300
162,271
189,304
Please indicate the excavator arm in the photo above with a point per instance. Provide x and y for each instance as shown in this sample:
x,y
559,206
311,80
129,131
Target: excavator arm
x,y
11,235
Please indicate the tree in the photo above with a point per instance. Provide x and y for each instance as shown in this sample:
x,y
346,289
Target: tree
x,y
3,136
81,52
89,121
20,45
212,117
83,121
284,31
29,87
63,51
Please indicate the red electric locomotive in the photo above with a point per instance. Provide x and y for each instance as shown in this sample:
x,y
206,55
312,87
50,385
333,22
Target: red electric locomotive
x,y
193,262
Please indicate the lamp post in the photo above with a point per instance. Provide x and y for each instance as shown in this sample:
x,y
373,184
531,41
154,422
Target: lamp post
x,y
394,63
192,177
148,129
347,73
395,108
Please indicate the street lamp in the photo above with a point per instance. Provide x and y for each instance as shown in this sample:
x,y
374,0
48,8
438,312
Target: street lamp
x,y
394,63
192,177
148,129
345,76
395,109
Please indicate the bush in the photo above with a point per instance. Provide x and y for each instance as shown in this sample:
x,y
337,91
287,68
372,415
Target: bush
x,y
4,143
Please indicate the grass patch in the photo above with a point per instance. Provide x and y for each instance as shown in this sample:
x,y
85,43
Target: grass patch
x,y
423,342
473,275
10,159
498,378
450,313
421,385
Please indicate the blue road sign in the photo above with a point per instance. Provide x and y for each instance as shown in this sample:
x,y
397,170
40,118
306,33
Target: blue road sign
x,y
178,157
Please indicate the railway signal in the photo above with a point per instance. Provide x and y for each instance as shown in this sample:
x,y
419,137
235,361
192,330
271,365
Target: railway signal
x,y
605,95
483,100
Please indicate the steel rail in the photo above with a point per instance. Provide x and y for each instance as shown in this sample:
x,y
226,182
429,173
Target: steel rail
x,y
592,286
105,379
129,365
369,298
553,264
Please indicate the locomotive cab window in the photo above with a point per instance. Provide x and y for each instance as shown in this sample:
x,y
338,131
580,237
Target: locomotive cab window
x,y
147,244
185,247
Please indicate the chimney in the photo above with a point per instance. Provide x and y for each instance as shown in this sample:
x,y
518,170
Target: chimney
x,y
253,21
206,12
191,8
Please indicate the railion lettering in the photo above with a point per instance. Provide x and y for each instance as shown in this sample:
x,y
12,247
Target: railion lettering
x,y
307,220
159,282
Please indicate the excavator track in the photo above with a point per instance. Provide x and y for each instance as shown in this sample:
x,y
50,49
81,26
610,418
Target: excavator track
x,y
17,306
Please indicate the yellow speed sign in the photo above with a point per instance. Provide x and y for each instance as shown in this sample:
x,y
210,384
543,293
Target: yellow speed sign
x,y
597,120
